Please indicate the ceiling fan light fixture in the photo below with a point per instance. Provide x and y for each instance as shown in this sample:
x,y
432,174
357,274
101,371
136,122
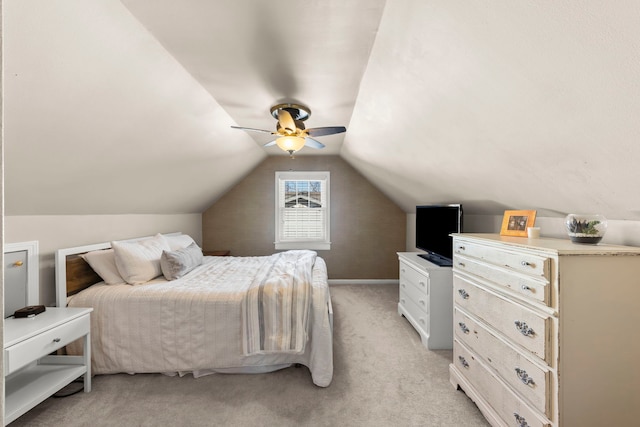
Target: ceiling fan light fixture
x,y
297,111
291,132
290,144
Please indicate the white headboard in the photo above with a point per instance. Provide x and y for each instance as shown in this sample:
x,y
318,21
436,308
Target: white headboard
x,y
68,258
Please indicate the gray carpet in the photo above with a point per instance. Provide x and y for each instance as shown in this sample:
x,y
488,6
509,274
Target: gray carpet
x,y
383,376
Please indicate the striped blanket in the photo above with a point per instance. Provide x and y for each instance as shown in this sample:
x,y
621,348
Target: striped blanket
x,y
275,311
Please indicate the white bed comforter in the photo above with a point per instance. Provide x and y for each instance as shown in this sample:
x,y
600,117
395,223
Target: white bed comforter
x,y
211,320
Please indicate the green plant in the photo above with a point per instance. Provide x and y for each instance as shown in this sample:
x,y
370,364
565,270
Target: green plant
x,y
583,227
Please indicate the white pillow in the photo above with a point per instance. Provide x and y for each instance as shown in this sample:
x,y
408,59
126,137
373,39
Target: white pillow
x,y
179,241
176,264
139,261
103,262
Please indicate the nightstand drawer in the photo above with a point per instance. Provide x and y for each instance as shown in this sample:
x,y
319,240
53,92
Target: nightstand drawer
x,y
23,353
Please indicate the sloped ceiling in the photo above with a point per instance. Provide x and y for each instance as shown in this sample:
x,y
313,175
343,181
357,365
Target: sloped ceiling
x,y
504,105
125,107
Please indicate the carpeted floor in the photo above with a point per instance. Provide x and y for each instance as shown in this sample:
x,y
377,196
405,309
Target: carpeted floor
x,y
383,376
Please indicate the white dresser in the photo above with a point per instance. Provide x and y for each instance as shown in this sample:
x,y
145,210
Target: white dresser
x,y
546,331
426,299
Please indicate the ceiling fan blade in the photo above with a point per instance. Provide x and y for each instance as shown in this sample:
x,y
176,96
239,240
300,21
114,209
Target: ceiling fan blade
x,y
270,144
310,142
286,121
329,130
252,129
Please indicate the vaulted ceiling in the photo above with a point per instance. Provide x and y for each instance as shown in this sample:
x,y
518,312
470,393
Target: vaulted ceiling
x,y
115,107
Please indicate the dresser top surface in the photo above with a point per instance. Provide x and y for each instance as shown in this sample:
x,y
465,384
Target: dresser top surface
x,y
560,246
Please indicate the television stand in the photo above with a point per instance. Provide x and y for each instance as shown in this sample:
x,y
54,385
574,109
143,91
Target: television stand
x,y
426,300
437,259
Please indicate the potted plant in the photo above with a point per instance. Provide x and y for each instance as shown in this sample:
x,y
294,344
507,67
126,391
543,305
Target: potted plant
x,y
586,228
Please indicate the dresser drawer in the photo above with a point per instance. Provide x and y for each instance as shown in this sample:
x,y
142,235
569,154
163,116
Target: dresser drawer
x,y
418,313
525,377
512,410
421,299
521,325
524,262
417,278
22,353
531,288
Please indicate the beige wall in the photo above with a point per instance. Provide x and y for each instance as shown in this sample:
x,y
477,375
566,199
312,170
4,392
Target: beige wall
x,y
66,231
367,229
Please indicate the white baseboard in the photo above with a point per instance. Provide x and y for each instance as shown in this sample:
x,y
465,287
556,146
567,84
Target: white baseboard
x,y
333,282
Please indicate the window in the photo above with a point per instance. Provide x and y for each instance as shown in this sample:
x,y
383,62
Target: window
x,y
302,210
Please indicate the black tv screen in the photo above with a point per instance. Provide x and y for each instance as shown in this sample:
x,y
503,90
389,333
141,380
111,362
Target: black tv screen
x,y
434,224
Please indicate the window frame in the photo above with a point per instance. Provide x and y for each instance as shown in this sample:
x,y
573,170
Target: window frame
x,y
315,244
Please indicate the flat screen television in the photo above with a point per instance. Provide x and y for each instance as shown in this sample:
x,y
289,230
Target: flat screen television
x,y
434,224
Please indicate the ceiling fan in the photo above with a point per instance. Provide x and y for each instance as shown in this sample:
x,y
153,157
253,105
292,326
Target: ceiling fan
x,y
290,129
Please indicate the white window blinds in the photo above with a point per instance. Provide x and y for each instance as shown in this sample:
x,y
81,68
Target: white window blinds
x,y
302,210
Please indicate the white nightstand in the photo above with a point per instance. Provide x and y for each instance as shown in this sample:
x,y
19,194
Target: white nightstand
x,y
31,373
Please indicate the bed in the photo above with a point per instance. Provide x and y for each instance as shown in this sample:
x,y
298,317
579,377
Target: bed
x,y
221,315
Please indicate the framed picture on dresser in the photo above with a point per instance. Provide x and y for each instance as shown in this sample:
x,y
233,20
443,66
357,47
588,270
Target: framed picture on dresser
x,y
515,223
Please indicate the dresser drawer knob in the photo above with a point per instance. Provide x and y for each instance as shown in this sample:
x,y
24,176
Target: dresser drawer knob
x,y
18,264
461,264
422,284
524,377
461,248
403,285
525,288
423,302
463,362
402,300
463,294
524,329
56,340
527,264
520,420
463,327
